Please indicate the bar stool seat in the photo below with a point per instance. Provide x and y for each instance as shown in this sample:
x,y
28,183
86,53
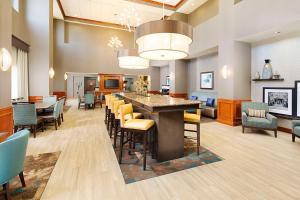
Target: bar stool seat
x,y
188,117
139,124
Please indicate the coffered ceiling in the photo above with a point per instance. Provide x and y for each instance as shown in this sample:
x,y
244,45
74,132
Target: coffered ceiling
x,y
109,11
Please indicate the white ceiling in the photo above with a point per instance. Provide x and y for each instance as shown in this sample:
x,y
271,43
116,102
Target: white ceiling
x,y
109,10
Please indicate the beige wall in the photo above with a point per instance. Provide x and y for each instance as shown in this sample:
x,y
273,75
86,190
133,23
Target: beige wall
x,y
87,51
5,42
39,19
19,28
204,12
178,76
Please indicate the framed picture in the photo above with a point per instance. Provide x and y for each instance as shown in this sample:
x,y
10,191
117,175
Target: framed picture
x,y
297,98
280,100
207,80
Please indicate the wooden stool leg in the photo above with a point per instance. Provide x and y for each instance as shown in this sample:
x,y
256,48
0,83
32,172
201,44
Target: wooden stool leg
x,y
198,138
116,132
6,190
21,175
145,150
121,146
293,137
112,119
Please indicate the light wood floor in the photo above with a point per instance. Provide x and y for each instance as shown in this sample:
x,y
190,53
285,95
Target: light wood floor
x,y
255,166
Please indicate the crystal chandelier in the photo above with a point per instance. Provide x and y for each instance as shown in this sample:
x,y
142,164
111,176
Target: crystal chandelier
x,y
115,43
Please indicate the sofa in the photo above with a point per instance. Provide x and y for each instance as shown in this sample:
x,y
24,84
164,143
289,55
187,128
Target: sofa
x,y
296,129
269,122
207,110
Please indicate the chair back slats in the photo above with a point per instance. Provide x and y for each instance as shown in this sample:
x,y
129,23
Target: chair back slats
x,y
12,155
24,114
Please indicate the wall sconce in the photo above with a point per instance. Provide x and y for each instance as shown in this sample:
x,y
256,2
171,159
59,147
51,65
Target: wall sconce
x,y
66,76
51,73
5,59
98,78
225,72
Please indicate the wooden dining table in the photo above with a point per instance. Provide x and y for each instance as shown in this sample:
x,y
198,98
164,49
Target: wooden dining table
x,y
43,105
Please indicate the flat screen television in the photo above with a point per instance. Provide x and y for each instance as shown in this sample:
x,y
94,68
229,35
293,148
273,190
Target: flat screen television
x,y
111,83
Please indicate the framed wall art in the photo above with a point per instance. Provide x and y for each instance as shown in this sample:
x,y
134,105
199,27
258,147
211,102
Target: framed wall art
x,y
297,98
207,80
279,99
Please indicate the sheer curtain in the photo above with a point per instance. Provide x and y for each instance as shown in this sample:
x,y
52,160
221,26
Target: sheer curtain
x,y
19,74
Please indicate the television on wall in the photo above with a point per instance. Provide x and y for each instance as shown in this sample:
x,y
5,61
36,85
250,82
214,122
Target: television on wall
x,y
111,83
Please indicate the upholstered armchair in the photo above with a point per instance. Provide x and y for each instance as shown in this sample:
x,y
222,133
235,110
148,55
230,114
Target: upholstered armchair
x,y
89,99
12,158
269,122
296,129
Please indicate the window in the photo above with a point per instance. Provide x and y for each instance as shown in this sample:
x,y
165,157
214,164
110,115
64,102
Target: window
x,y
15,5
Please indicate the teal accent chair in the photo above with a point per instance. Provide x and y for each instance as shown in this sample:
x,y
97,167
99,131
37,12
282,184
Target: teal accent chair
x,y
25,116
296,129
50,99
12,158
54,116
89,100
268,123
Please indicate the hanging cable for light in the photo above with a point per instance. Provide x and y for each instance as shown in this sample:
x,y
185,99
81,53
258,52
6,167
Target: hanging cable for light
x,y
129,58
164,39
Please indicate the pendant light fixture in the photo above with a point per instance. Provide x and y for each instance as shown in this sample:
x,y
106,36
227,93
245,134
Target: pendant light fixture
x,y
130,59
51,73
164,39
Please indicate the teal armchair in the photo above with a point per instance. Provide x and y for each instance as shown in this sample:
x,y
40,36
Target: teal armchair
x,y
61,109
268,123
12,158
296,129
25,116
89,99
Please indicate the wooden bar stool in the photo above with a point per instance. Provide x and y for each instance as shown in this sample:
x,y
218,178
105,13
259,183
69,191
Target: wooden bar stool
x,y
194,119
110,98
110,113
106,106
115,118
144,127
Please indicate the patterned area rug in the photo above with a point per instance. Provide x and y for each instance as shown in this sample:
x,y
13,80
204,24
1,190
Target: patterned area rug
x,y
37,171
132,167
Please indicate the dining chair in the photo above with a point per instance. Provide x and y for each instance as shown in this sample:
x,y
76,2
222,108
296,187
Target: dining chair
x,y
50,100
106,98
25,115
61,109
193,119
80,101
133,127
12,158
54,116
89,100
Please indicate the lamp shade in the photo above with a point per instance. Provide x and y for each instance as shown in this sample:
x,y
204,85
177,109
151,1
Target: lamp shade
x,y
5,59
129,59
164,39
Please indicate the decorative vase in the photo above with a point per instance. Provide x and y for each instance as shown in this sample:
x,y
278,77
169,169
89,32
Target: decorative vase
x,y
267,70
257,75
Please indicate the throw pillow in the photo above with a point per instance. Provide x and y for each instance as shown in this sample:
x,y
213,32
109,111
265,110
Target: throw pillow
x,y
210,102
257,113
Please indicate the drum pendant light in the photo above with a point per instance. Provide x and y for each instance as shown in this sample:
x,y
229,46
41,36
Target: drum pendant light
x,y
129,59
164,39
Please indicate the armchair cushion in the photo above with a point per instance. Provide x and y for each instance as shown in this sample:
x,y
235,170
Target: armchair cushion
x,y
257,113
295,123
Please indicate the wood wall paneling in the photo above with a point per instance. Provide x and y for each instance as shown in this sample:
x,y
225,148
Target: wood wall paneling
x,y
104,77
35,98
6,122
229,111
179,95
